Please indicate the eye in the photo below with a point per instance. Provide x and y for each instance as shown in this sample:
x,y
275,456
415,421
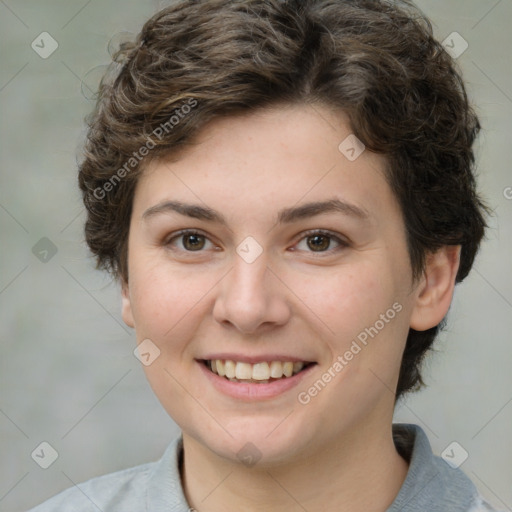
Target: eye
x,y
317,241
320,241
192,241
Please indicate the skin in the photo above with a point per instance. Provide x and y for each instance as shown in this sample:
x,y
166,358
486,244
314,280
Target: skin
x,y
335,452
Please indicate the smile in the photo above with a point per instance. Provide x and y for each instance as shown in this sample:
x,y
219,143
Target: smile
x,y
262,372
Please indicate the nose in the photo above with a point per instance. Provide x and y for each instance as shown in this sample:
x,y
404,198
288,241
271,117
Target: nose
x,y
251,297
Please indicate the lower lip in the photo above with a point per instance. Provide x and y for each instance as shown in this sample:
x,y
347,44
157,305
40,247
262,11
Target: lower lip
x,y
248,391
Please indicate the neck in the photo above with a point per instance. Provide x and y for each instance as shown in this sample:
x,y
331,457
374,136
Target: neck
x,y
360,472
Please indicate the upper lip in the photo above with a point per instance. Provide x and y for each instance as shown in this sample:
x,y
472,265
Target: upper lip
x,y
244,358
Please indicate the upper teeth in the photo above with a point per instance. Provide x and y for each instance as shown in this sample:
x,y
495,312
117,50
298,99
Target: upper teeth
x,y
258,371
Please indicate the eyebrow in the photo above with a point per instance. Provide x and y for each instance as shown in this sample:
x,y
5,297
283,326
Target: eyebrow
x,y
285,216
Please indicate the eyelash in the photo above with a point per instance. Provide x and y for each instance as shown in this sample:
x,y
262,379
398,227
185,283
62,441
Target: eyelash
x,y
313,232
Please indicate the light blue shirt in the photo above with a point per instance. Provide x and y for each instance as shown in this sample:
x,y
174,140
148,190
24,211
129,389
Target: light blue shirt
x,y
431,485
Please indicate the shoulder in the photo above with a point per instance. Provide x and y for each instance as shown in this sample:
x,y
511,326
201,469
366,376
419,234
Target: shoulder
x,y
432,483
110,492
150,486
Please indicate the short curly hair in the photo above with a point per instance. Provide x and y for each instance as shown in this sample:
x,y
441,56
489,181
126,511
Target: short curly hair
x,y
377,61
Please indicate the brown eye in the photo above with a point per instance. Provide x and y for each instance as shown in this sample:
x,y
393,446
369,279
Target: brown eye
x,y
193,242
318,242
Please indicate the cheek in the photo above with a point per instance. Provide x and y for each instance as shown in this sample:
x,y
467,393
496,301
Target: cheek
x,y
348,300
169,302
159,300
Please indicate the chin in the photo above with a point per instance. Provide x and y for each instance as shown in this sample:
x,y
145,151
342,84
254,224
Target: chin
x,y
264,442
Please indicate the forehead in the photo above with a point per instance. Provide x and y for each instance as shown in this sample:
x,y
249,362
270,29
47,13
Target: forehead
x,y
269,159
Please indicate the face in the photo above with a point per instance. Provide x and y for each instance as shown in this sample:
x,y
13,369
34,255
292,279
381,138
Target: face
x,y
259,279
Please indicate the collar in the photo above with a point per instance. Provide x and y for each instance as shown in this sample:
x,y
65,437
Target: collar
x,y
431,483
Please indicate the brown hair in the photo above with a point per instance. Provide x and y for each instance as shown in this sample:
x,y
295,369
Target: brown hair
x,y
375,60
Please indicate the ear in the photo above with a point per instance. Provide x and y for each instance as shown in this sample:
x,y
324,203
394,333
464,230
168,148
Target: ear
x,y
126,305
435,291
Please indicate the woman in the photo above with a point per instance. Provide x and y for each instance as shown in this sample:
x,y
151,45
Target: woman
x,y
285,193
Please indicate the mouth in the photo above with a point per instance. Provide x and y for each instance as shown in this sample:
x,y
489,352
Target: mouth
x,y
263,372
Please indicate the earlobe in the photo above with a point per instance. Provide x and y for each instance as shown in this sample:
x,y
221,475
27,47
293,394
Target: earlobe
x,y
126,306
435,292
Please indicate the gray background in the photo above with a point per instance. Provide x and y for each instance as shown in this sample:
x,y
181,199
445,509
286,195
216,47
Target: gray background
x,y
68,375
